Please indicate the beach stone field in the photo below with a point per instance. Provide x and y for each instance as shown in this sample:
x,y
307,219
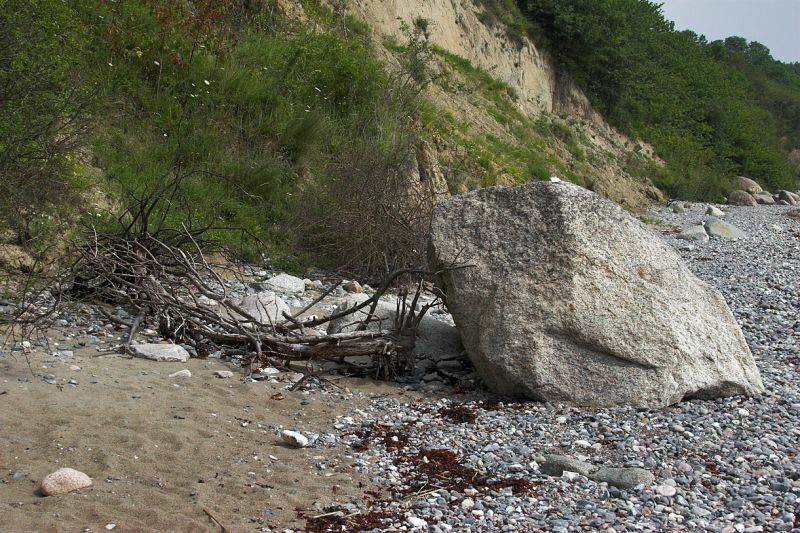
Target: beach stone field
x,y
724,465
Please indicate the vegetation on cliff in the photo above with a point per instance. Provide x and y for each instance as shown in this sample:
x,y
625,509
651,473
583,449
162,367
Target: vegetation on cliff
x,y
236,115
712,109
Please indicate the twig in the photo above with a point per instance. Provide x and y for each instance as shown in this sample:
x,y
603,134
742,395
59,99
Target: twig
x,y
222,527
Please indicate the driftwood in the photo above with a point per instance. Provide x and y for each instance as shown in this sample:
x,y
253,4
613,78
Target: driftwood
x,y
167,280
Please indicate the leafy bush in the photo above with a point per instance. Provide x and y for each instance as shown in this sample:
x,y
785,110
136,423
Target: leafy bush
x,y
44,106
270,127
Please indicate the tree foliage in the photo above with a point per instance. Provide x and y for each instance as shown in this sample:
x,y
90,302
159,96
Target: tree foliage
x,y
44,103
713,110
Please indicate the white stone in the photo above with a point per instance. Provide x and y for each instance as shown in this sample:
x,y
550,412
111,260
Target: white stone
x,y
467,503
265,306
224,374
570,476
286,284
715,211
413,521
583,444
63,481
208,302
666,490
185,373
169,353
434,337
293,438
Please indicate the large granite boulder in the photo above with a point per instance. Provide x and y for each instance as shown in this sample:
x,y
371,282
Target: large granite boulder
x,y
570,298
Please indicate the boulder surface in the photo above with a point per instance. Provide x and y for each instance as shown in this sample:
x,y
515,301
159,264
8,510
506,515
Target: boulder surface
x,y
569,298
748,185
723,230
265,306
743,198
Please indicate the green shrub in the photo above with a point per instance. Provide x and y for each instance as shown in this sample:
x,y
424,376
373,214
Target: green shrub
x,y
44,113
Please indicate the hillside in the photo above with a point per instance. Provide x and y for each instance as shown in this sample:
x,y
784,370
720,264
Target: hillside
x,y
320,133
711,109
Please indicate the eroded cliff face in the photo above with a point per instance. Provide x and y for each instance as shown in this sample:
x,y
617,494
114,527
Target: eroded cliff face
x,y
540,89
456,27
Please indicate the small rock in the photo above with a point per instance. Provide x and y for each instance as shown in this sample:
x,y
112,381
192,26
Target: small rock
x,y
723,230
693,233
63,481
413,521
623,478
293,438
666,490
353,287
294,377
224,374
556,465
715,211
268,372
171,353
764,198
185,373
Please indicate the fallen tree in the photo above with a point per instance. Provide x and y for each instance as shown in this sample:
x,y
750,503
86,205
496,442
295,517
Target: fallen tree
x,y
166,279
